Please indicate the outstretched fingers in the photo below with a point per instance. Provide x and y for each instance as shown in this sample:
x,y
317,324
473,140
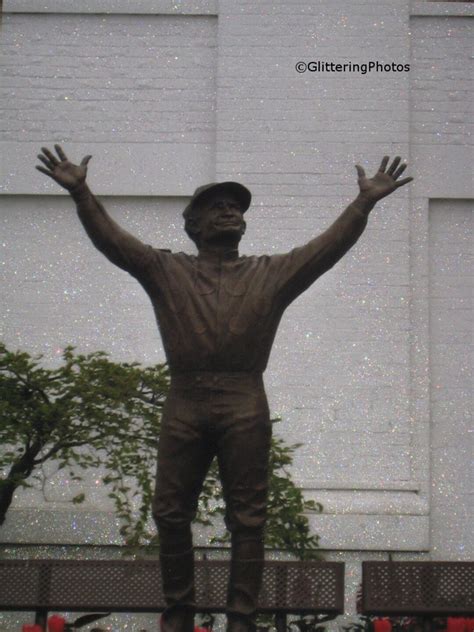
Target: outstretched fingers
x,y
43,170
403,181
47,162
383,164
393,166
60,152
399,171
85,160
52,158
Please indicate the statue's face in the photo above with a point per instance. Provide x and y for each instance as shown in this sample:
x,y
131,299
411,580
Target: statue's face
x,y
220,219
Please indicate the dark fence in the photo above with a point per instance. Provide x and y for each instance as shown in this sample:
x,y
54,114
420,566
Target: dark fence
x,y
135,586
418,588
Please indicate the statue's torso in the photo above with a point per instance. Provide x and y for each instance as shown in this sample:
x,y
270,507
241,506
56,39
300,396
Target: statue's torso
x,y
215,315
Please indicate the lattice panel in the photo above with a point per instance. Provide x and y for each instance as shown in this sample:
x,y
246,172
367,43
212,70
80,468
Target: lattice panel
x,y
112,586
20,584
411,588
136,585
79,584
294,587
308,585
211,583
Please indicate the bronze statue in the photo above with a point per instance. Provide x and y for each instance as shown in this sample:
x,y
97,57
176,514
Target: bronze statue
x,y
218,313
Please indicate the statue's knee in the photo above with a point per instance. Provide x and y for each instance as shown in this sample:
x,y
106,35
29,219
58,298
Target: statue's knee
x,y
171,520
246,521
173,525
169,512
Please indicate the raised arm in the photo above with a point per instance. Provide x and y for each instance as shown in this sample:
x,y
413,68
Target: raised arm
x,y
306,263
119,246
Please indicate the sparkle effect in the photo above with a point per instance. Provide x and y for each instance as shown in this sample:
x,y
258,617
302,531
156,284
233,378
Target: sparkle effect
x,y
350,372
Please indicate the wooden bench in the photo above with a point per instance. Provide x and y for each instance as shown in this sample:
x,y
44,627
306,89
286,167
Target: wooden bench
x,y
427,589
135,586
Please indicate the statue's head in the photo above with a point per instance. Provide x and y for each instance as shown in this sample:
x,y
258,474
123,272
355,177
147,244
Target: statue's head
x,y
215,213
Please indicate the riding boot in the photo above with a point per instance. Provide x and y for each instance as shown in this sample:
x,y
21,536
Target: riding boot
x,y
246,572
177,573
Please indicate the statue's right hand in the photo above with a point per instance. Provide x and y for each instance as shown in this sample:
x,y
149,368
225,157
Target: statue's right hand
x,y
65,173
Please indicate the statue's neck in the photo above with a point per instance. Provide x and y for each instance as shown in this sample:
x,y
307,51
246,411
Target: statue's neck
x,y
218,252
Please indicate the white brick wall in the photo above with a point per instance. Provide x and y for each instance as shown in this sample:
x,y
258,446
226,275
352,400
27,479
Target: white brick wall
x,y
441,236
442,85
137,92
114,78
452,372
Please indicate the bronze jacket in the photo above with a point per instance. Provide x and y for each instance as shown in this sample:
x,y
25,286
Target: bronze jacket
x,y
222,313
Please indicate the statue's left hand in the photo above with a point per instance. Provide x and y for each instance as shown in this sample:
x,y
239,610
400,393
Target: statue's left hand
x,y
384,182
